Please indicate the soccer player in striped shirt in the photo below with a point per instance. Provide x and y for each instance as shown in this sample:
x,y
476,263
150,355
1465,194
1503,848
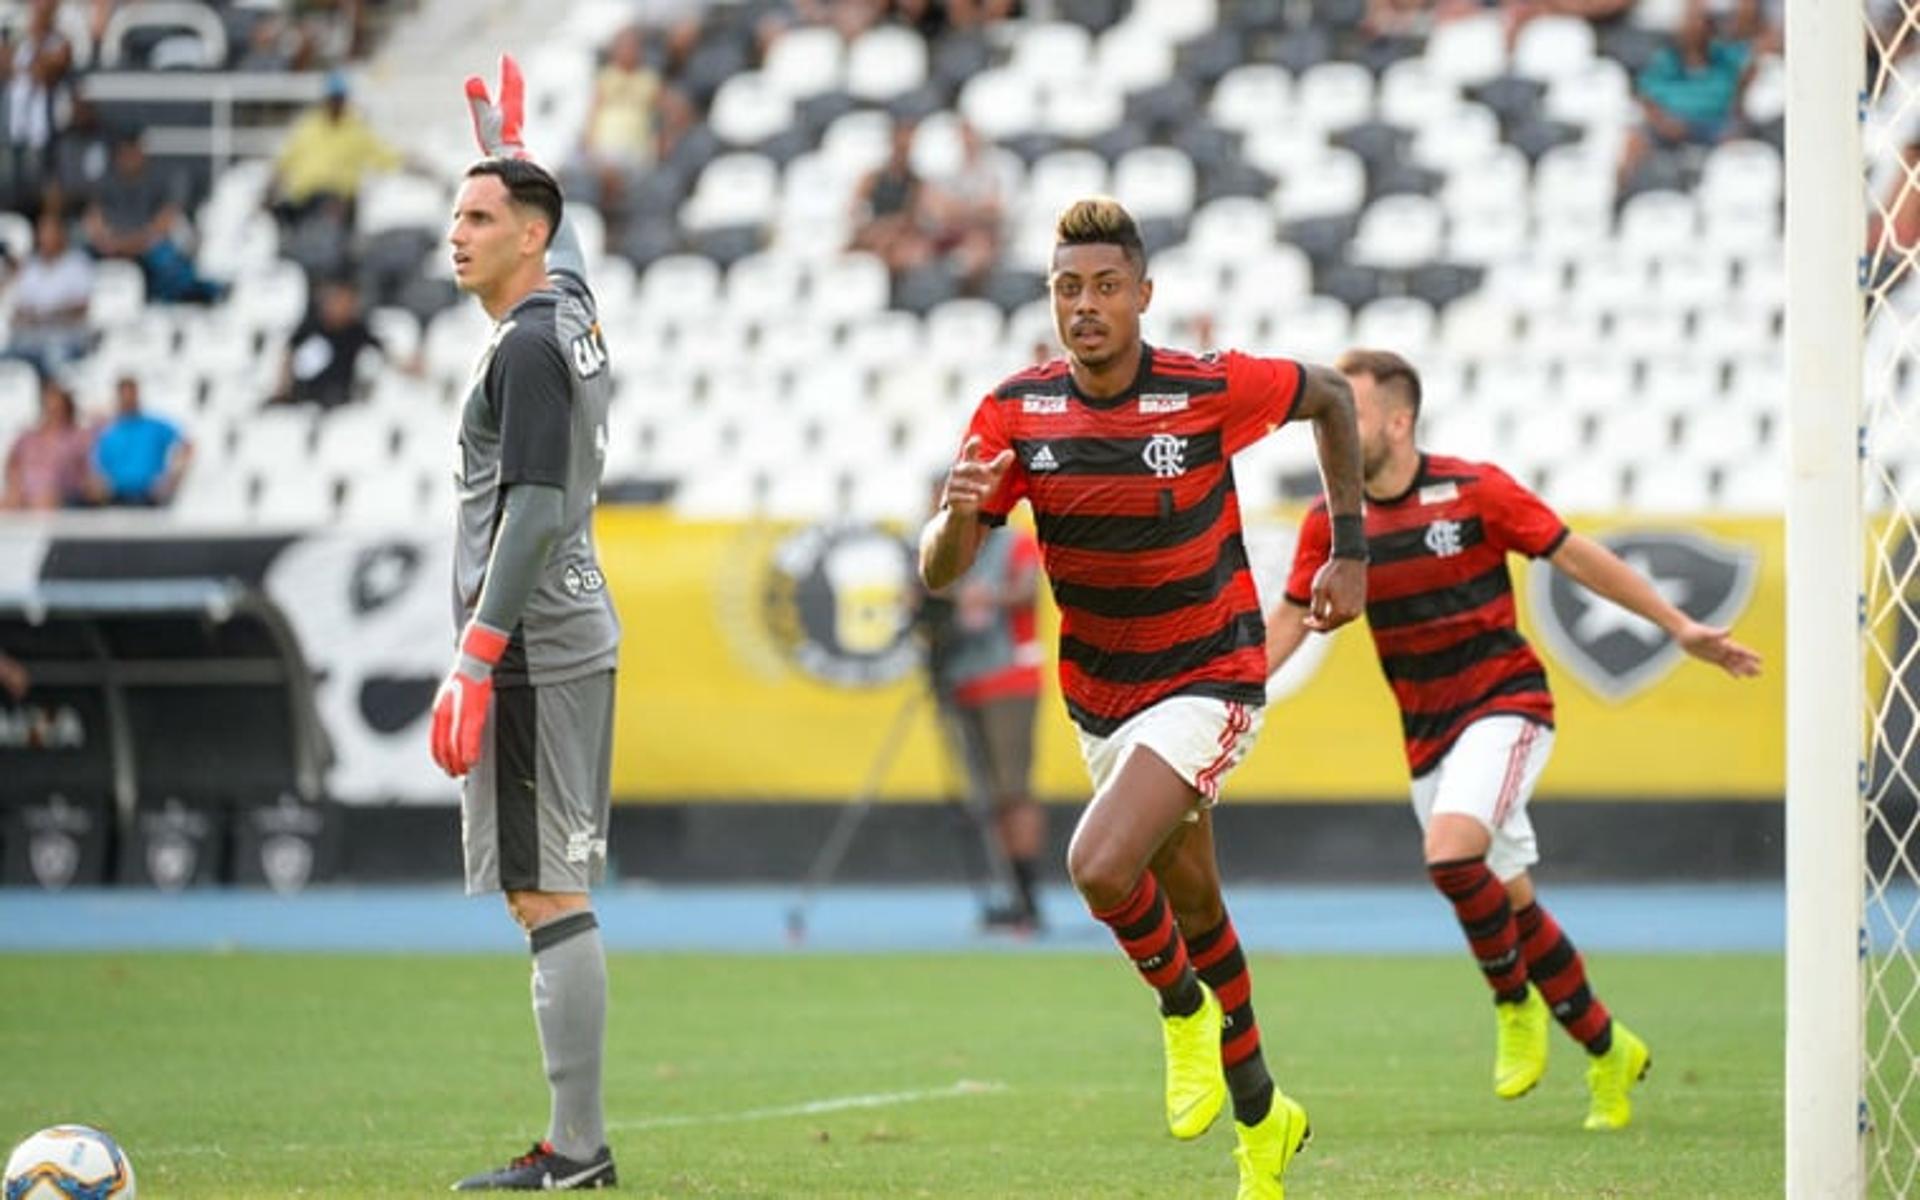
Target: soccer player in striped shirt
x,y
1123,450
1475,710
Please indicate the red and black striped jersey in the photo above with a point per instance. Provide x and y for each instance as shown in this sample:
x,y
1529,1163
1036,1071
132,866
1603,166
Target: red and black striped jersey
x,y
1139,526
1439,600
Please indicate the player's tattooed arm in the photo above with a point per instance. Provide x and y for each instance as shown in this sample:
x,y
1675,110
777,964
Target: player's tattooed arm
x,y
1340,587
1326,399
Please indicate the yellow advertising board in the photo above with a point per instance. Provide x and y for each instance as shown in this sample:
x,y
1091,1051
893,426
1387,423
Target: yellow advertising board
x,y
768,662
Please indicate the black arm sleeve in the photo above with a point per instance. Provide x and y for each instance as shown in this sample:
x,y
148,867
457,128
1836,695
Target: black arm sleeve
x,y
533,394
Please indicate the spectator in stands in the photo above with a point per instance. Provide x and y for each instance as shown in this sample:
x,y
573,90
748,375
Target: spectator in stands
x,y
47,465
36,68
14,679
327,152
324,350
888,208
1689,92
965,209
619,139
138,459
136,214
51,296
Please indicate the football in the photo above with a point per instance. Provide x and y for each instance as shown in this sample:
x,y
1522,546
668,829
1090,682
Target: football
x,y
69,1162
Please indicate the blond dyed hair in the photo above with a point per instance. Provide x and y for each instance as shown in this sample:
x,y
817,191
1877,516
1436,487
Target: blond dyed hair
x,y
1101,221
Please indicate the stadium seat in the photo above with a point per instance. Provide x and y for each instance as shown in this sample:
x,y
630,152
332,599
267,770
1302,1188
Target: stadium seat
x,y
213,498
1470,50
1672,485
893,491
1544,433
388,498
1131,56
1282,149
1403,324
1633,432
1680,381
1650,331
454,340
1758,485
1610,282
1698,278
1061,178
1251,98
1332,184
1050,50
1316,331
1413,95
733,190
849,285
295,499
763,285
1081,115
805,60
1155,181
119,293
272,298
1598,95
1333,95
1734,330
1478,326
1001,103
1719,434
199,24
1587,484
1655,223
750,108
874,340
1268,277
1400,232
1468,138
681,285
1552,47
886,61
1231,228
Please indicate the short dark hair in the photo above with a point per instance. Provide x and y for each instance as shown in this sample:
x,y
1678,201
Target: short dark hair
x,y
1101,221
1389,371
528,185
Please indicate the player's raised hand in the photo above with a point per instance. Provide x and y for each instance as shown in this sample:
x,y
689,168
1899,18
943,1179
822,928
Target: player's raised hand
x,y
496,126
1717,646
973,480
1339,593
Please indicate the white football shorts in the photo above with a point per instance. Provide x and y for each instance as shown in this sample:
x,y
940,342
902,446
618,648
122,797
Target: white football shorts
x,y
1489,775
1201,738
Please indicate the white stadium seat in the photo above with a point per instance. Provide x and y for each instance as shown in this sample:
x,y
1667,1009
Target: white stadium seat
x,y
1332,184
750,108
805,60
1131,56
1050,50
1400,232
1252,97
1334,95
1155,181
886,61
1553,47
1469,50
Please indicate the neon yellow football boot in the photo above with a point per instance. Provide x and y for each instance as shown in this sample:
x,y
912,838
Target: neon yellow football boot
x,y
1266,1149
1611,1076
1520,1047
1196,1082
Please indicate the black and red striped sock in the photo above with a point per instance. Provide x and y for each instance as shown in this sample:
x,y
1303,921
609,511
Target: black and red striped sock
x,y
1480,904
1217,957
1556,969
1143,924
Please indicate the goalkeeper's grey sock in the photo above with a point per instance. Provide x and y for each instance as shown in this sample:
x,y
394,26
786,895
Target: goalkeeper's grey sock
x,y
570,1006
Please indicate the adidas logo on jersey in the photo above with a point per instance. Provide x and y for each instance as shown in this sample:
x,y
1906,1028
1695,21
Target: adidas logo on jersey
x,y
1043,460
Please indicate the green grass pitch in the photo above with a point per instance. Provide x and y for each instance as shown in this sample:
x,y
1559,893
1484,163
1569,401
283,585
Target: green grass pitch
x,y
987,1075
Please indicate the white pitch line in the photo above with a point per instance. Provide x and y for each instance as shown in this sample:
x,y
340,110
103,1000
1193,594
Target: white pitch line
x,y
809,1108
806,1108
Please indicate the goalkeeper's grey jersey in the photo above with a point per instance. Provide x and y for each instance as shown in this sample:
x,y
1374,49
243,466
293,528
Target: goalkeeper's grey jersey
x,y
536,413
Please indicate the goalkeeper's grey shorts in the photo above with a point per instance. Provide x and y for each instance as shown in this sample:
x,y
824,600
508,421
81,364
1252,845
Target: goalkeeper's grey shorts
x,y
533,811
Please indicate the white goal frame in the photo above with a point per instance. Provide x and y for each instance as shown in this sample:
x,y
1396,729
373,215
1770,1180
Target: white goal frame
x,y
1826,1125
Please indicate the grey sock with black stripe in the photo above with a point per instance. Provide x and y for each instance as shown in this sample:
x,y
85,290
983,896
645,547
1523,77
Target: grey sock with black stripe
x,y
570,1007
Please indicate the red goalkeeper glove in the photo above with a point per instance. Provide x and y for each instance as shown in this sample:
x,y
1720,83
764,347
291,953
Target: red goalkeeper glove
x,y
497,126
460,706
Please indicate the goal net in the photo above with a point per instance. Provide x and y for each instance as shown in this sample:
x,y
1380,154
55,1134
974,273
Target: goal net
x,y
1887,273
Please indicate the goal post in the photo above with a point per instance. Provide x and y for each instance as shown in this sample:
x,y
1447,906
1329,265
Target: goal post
x,y
1826,1121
